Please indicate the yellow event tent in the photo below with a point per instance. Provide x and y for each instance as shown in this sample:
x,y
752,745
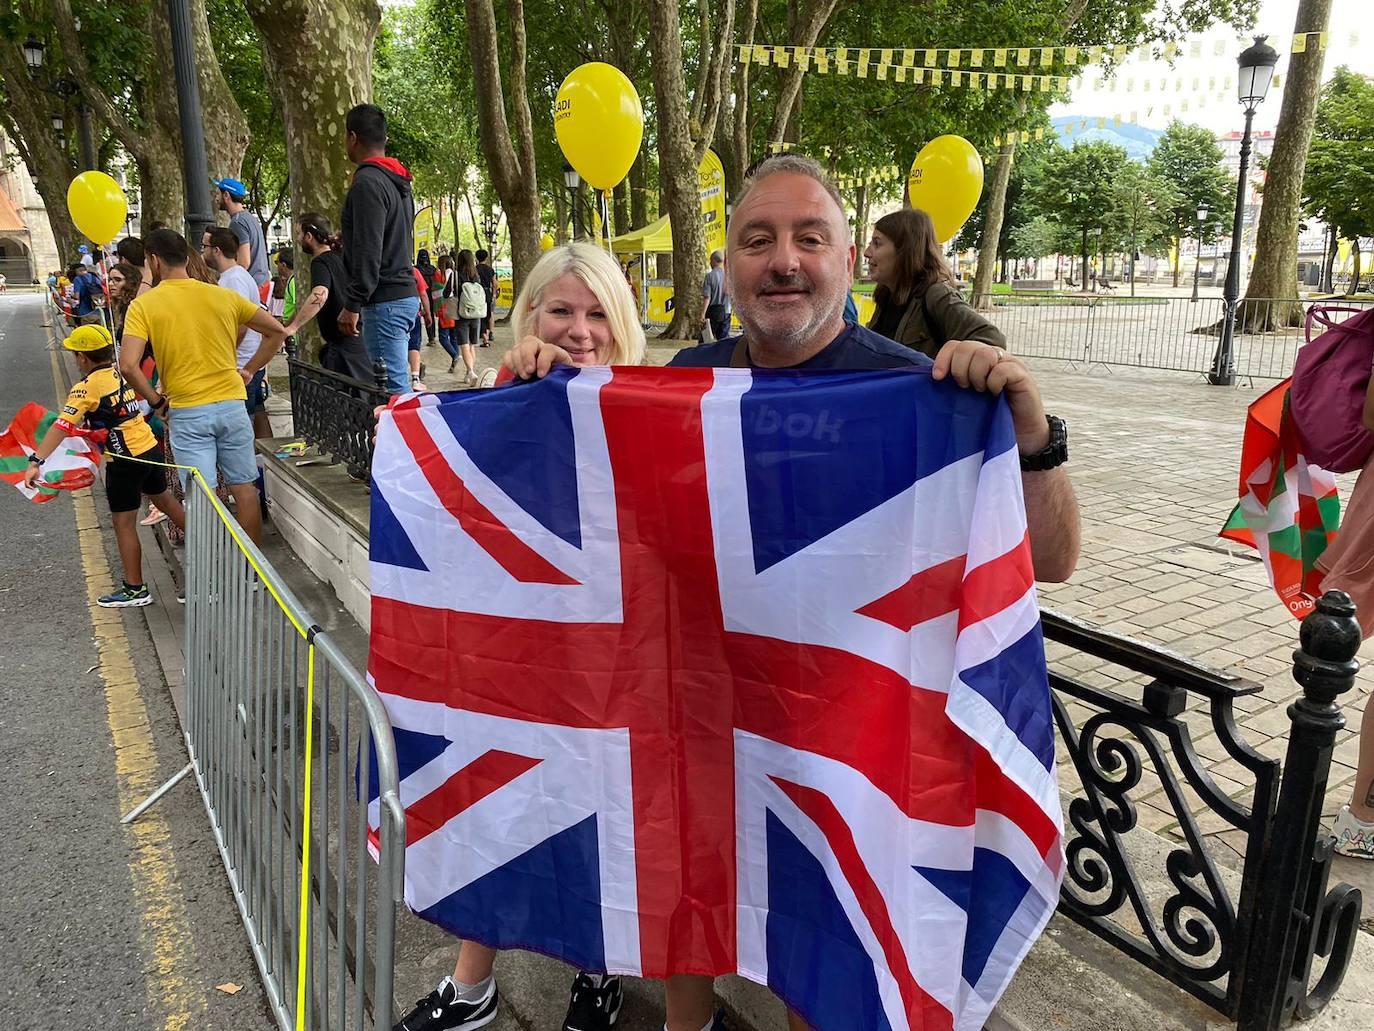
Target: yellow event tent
x,y
655,238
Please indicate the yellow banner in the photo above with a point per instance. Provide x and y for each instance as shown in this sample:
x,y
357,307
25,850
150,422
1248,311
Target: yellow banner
x,y
424,231
711,182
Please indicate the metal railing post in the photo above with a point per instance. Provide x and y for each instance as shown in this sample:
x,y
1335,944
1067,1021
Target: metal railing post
x,y
1297,860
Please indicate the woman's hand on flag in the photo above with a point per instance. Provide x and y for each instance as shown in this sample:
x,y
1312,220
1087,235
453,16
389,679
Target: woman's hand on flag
x,y
532,358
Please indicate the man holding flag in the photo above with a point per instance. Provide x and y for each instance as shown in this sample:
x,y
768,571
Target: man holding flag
x,y
103,402
790,260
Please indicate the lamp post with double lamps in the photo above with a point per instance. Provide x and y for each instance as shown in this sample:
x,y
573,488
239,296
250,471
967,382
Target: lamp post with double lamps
x,y
490,221
1255,74
572,181
1202,211
67,89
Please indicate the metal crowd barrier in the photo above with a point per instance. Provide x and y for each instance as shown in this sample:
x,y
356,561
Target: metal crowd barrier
x,y
282,733
1167,333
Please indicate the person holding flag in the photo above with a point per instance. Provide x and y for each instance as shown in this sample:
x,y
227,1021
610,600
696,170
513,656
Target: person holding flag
x,y
102,401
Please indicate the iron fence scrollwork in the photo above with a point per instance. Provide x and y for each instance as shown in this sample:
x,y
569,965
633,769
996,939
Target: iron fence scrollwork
x,y
334,413
1194,921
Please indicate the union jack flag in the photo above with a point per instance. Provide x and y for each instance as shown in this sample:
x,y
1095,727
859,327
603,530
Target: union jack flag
x,y
710,670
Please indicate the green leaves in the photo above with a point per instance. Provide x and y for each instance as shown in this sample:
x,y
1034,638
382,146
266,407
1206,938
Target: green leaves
x,y
1339,185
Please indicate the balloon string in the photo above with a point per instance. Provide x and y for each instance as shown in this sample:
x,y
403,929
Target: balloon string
x,y
606,222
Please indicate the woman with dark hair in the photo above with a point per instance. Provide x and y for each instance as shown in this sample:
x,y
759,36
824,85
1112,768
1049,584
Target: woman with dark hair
x,y
125,282
445,303
472,311
918,303
428,270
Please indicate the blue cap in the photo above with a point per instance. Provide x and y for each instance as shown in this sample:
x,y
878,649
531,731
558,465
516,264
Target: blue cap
x,y
83,249
232,187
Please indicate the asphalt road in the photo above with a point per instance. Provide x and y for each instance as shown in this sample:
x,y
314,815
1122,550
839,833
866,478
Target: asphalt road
x,y
101,926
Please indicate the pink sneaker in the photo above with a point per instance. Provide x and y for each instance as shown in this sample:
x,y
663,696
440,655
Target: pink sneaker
x,y
154,516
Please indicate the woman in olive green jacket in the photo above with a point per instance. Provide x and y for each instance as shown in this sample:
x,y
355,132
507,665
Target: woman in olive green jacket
x,y
918,303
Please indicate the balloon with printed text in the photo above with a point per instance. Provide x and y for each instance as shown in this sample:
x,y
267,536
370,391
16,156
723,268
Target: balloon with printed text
x,y
97,205
599,123
946,181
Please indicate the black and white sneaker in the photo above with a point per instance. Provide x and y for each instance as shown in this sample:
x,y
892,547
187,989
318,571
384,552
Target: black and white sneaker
x,y
595,1003
442,1010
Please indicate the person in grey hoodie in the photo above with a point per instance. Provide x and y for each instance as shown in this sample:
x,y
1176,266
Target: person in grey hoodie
x,y
377,228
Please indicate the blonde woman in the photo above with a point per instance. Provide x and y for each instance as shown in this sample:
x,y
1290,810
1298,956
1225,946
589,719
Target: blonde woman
x,y
574,308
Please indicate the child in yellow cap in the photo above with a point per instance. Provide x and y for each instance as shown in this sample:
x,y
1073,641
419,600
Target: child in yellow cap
x,y
103,401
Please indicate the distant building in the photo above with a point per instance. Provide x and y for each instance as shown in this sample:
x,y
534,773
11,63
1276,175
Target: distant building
x,y
28,251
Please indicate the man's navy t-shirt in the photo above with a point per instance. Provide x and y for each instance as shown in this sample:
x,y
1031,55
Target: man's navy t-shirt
x,y
855,348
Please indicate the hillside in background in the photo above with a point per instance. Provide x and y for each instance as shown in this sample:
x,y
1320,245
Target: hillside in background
x,y
1138,140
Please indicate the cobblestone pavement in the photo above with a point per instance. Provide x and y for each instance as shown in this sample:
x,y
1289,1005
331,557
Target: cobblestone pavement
x,y
1154,460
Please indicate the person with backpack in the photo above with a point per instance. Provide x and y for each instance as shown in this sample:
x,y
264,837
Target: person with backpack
x,y
472,311
431,310
445,304
917,303
487,275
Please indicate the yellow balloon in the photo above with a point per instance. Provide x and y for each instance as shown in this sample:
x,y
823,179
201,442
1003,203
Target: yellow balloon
x,y
97,206
546,242
599,123
946,181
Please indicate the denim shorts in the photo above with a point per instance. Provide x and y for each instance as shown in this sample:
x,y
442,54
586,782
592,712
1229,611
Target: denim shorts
x,y
214,435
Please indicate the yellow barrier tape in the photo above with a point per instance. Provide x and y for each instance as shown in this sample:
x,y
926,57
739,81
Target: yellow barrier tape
x,y
303,944
230,524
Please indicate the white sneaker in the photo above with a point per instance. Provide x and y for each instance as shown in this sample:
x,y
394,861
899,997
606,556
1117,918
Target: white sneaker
x,y
1354,837
487,380
471,378
416,386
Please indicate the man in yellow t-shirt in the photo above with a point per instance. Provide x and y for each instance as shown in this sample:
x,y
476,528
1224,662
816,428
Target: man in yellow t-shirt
x,y
194,330
133,459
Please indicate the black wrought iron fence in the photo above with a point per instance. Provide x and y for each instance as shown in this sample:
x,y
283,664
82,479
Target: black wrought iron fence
x,y
334,413
1244,942
1170,333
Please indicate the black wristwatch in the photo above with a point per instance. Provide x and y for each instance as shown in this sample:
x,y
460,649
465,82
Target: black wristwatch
x,y
1052,455
35,460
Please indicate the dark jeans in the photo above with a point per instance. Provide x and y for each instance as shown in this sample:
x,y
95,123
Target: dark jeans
x,y
448,340
718,315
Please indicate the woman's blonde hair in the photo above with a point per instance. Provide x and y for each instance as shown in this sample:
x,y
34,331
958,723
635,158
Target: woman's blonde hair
x,y
601,273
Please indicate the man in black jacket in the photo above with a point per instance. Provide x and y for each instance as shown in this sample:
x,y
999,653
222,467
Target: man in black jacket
x,y
377,229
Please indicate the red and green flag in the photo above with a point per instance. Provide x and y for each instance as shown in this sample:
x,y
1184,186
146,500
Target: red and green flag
x,y
72,466
1288,509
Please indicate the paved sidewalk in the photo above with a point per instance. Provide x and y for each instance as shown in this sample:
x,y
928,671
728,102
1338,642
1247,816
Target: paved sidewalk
x,y
1155,460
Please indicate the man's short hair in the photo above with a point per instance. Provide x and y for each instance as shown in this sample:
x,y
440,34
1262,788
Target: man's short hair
x,y
717,257
482,254
795,164
223,240
100,355
368,123
287,258
130,249
167,245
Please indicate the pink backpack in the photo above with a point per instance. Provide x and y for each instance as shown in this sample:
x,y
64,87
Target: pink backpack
x,y
1330,380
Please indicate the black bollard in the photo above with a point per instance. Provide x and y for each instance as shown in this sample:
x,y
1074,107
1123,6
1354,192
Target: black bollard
x,y
1292,889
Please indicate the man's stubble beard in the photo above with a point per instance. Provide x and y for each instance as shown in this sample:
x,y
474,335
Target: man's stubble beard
x,y
793,340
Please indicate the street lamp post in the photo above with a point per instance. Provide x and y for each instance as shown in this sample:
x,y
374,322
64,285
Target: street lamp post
x,y
195,171
490,221
1255,73
1197,262
65,88
572,181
